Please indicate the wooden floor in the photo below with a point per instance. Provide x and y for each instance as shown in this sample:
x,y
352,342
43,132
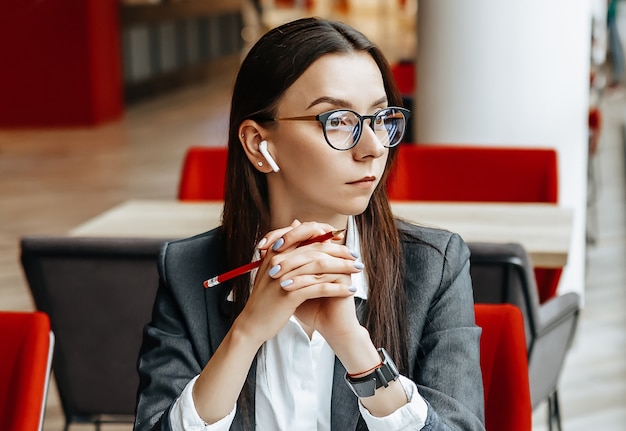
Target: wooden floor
x,y
53,180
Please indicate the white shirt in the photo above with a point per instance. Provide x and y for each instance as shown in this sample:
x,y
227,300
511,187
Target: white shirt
x,y
294,379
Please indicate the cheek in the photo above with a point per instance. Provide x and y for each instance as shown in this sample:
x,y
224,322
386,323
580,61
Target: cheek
x,y
383,163
380,164
306,151
312,172
312,166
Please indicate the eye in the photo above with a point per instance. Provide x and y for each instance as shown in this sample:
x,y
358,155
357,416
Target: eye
x,y
334,122
341,120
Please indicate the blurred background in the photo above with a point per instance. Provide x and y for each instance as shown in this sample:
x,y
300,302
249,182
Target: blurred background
x,y
99,100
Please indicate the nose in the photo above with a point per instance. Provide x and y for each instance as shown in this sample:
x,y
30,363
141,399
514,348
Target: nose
x,y
368,145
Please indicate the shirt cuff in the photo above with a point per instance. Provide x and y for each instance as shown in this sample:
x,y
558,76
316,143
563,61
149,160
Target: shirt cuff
x,y
185,417
412,415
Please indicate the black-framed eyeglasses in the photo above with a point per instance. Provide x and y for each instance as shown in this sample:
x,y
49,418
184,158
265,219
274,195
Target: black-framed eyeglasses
x,y
343,127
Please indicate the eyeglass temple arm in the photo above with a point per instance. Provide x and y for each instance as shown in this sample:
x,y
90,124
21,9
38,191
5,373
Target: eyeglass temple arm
x,y
306,118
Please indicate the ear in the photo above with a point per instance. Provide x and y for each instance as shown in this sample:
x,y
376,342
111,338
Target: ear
x,y
251,134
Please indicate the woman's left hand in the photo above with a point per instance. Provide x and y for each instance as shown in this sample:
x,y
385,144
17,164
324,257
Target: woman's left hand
x,y
320,265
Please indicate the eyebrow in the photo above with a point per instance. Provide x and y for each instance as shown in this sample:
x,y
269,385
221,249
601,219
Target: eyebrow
x,y
340,102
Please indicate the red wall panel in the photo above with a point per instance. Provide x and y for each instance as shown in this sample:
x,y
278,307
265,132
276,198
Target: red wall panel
x,y
60,62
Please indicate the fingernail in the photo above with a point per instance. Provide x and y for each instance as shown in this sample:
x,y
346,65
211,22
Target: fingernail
x,y
352,289
355,254
274,270
261,243
278,244
359,265
286,283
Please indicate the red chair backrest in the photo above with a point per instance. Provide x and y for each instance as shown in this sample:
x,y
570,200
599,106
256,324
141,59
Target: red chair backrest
x,y
479,174
24,369
404,74
474,173
203,174
504,367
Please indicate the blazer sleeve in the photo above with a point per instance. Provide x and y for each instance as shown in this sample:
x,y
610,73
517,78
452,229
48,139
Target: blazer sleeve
x,y
187,325
444,340
166,360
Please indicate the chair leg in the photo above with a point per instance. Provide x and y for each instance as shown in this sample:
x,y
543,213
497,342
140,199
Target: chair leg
x,y
557,410
592,201
550,414
554,412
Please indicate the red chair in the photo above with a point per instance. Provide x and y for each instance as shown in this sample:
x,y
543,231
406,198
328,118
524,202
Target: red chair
x,y
595,126
203,174
404,74
474,173
479,174
504,367
503,274
27,345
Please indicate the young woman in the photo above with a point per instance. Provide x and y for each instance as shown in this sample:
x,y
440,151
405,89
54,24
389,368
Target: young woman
x,y
372,328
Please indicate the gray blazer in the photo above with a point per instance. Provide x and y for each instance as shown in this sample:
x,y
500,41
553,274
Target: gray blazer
x,y
189,322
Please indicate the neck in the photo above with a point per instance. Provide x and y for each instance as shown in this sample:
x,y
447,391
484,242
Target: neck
x,y
337,221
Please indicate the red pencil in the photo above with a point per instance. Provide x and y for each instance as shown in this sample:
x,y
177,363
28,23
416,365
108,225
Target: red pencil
x,y
212,282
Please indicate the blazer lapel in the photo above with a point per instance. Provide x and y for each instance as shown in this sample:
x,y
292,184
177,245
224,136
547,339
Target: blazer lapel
x,y
219,316
248,423
219,312
344,410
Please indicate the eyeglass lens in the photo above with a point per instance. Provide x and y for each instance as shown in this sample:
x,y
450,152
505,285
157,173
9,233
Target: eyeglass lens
x,y
343,128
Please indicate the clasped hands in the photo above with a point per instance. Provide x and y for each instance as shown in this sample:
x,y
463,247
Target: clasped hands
x,y
312,283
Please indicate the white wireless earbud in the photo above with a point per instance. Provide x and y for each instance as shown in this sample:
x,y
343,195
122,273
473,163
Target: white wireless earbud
x,y
268,156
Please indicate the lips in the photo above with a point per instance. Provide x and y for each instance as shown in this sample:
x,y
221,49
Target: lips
x,y
364,180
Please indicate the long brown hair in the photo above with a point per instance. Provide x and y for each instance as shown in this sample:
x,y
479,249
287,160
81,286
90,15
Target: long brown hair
x,y
269,69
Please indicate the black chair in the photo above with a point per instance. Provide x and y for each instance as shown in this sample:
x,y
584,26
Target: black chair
x,y
99,294
502,273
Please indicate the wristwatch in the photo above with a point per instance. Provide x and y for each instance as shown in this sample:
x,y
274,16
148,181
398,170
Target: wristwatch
x,y
366,386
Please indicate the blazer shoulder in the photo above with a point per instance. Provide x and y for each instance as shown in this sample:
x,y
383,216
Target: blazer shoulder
x,y
433,257
194,243
440,240
199,254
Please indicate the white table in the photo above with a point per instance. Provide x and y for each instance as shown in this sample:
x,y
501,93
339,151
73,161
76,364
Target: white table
x,y
543,229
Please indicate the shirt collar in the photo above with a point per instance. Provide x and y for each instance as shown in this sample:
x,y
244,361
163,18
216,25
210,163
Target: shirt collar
x,y
353,242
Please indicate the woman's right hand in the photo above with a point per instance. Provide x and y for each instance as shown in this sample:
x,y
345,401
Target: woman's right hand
x,y
318,270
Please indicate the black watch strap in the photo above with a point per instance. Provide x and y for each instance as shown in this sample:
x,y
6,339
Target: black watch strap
x,y
366,386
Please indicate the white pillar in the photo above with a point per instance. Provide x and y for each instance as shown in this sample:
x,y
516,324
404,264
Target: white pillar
x,y
511,73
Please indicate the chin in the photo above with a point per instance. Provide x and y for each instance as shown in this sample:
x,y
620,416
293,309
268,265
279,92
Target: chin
x,y
356,208
351,205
